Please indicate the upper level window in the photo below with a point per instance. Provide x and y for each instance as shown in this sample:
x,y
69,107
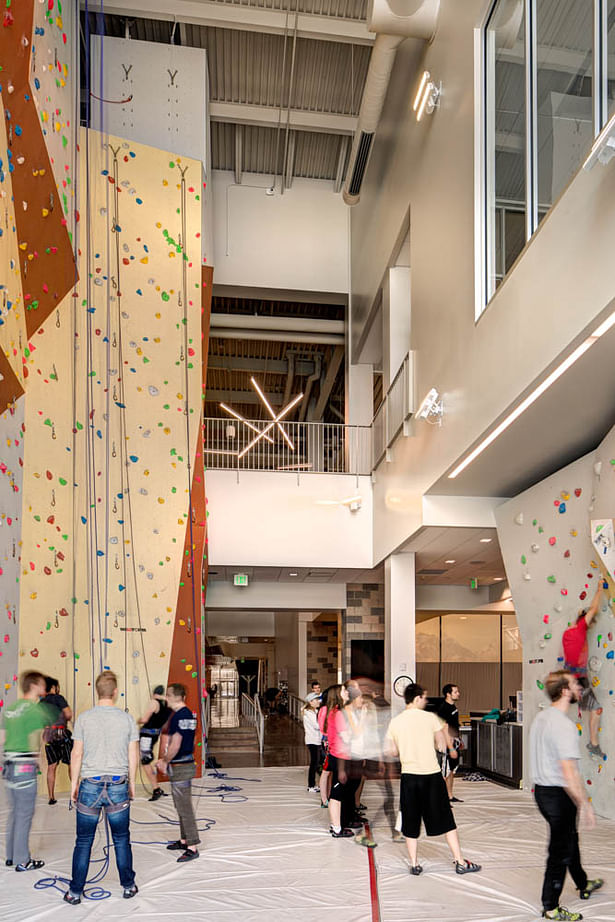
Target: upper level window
x,y
548,89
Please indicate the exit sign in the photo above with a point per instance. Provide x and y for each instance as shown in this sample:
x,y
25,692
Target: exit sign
x,y
473,582
240,579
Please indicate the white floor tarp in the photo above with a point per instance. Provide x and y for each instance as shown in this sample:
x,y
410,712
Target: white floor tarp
x,y
267,855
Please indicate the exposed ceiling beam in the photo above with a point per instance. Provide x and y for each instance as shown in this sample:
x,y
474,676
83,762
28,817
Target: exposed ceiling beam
x,y
327,385
261,366
237,113
279,336
233,398
265,323
341,163
236,16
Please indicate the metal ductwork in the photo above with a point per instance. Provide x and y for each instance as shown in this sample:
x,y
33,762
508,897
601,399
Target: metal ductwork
x,y
393,21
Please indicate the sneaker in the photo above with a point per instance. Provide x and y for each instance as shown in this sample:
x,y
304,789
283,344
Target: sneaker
x,y
314,790
365,840
52,801
157,793
189,855
342,834
466,867
595,751
455,800
590,886
129,892
33,864
176,846
560,912
416,869
8,863
71,898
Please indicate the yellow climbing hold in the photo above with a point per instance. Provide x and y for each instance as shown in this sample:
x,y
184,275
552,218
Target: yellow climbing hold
x,y
160,500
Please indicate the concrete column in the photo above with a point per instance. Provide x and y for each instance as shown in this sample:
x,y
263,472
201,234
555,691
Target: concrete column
x,y
360,395
396,316
302,619
399,624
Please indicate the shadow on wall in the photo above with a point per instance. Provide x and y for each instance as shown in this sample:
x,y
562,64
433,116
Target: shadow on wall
x,y
553,570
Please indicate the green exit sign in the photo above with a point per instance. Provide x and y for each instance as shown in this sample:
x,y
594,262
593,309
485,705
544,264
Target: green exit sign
x,y
473,582
240,579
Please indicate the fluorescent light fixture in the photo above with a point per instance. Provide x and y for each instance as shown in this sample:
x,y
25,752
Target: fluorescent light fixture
x,y
244,421
419,92
535,394
485,540
293,574
498,579
603,148
450,561
271,412
284,412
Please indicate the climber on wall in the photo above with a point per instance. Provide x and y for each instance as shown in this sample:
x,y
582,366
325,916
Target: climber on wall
x,y
575,658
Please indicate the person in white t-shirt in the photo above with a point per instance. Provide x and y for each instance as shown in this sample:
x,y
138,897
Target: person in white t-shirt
x,y
559,792
414,735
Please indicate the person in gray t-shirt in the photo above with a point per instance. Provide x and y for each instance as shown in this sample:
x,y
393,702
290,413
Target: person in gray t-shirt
x,y
559,793
103,771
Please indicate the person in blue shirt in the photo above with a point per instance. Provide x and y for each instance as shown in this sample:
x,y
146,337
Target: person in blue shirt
x,y
178,763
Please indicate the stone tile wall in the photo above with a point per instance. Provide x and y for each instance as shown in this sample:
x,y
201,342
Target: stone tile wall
x,y
322,650
363,618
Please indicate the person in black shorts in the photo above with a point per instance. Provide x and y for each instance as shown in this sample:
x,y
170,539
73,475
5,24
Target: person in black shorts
x,y
151,724
57,737
449,712
414,735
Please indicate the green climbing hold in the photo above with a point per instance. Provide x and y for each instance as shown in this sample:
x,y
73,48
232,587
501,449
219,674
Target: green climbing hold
x,y
165,296
550,579
523,559
548,636
62,481
540,684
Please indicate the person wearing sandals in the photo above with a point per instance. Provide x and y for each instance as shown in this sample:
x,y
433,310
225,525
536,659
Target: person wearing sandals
x,y
560,793
414,735
22,724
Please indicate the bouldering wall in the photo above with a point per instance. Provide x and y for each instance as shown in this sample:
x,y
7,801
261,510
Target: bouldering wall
x,y
553,571
117,429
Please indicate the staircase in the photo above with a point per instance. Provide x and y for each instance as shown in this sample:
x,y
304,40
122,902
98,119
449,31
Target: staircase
x,y
223,740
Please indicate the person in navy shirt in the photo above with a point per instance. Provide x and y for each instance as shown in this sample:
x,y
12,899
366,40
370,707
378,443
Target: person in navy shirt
x,y
178,763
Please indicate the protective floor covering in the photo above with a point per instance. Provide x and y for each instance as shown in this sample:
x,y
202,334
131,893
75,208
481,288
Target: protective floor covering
x,y
267,856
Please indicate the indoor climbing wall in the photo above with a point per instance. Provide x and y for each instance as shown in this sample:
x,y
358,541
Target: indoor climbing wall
x,y
113,407
11,483
554,570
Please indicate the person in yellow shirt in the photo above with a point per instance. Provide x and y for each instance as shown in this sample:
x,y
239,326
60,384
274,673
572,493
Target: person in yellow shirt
x,y
413,736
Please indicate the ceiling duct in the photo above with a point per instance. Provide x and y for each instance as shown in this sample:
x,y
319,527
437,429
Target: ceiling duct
x,y
393,21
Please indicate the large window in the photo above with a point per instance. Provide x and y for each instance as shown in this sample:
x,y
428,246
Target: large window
x,y
549,88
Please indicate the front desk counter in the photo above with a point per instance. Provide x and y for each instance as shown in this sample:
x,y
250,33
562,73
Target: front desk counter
x,y
497,751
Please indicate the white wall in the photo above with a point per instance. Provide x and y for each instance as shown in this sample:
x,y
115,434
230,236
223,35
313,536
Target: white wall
x,y
562,281
240,623
262,594
270,519
298,240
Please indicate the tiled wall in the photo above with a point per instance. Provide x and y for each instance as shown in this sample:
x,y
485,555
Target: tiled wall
x,y
363,618
322,650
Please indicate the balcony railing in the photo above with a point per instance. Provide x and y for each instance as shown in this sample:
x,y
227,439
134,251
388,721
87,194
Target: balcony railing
x,y
305,448
394,412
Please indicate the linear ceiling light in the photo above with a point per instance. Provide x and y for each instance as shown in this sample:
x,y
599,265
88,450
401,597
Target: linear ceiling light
x,y
245,421
535,394
270,425
271,412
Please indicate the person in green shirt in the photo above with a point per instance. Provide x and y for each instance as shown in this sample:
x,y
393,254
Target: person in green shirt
x,y
20,734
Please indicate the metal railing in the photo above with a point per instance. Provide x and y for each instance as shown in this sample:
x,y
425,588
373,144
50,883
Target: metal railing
x,y
394,411
295,707
253,715
297,447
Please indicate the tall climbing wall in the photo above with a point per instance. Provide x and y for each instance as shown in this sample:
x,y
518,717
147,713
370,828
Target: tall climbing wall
x,y
37,266
554,570
116,429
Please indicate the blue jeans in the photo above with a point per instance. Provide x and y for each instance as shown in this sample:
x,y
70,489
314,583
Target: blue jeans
x,y
96,796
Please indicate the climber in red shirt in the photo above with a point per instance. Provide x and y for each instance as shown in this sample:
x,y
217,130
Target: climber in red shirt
x,y
575,656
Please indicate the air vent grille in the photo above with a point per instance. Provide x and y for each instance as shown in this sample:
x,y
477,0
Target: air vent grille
x,y
360,164
432,572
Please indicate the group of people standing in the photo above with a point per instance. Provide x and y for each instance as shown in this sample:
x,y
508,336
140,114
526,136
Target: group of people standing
x,y
345,733
103,754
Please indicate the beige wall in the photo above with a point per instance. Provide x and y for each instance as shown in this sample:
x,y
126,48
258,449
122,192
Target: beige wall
x,y
560,284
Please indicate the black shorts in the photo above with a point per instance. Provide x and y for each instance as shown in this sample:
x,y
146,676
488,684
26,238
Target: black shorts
x,y
147,741
334,765
424,797
59,751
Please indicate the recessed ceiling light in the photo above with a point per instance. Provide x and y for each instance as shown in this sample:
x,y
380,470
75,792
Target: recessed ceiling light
x,y
485,540
463,617
293,574
498,579
450,561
